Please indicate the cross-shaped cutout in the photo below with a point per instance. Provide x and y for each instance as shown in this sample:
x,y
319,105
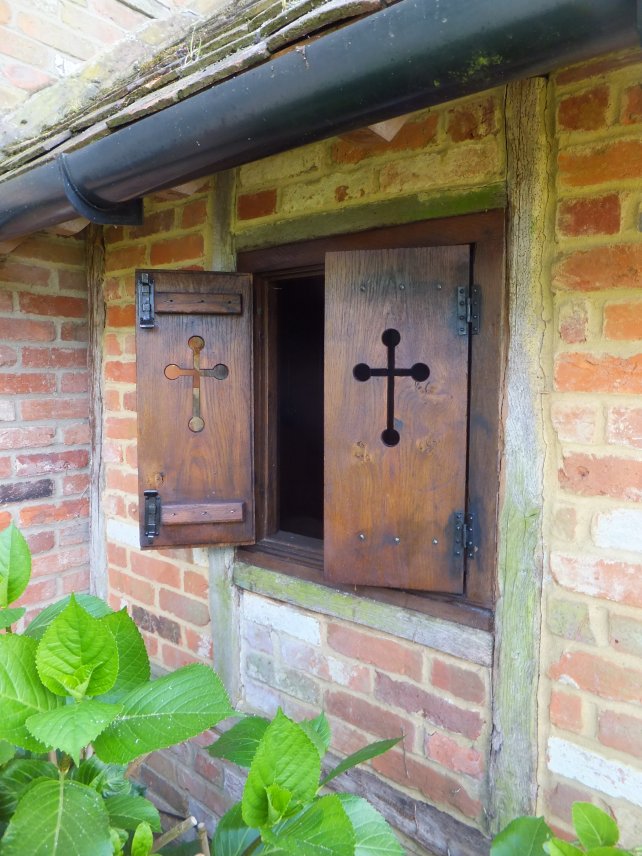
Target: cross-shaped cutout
x,y
220,372
418,372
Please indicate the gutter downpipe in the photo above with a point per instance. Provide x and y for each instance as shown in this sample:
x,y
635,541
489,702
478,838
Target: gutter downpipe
x,y
411,55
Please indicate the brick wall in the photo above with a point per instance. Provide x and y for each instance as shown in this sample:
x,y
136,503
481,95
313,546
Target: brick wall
x,y
44,432
592,681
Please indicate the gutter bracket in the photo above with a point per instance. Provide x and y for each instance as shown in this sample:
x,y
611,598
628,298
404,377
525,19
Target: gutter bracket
x,y
93,209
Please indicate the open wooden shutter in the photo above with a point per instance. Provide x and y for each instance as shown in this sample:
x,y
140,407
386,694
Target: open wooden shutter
x,y
395,444
195,401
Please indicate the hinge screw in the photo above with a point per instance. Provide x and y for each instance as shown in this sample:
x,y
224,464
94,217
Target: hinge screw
x,y
362,537
397,539
435,541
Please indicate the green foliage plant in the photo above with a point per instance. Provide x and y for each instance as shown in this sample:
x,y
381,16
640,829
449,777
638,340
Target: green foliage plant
x,y
597,834
77,706
284,809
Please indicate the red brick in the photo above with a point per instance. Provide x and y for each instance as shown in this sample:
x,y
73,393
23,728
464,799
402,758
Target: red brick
x,y
600,268
185,608
69,509
130,401
560,800
76,533
624,426
125,258
39,593
620,731
353,148
471,121
5,468
438,788
601,677
51,462
597,67
157,624
566,711
155,224
5,519
439,711
603,578
23,491
8,356
18,330
76,435
67,251
587,475
23,273
194,214
460,759
573,323
383,653
116,555
6,301
175,658
56,358
623,321
121,316
55,408
74,382
368,717
118,480
78,581
120,372
40,542
250,206
616,161
632,105
197,584
120,428
114,505
457,681
598,373
174,250
131,457
23,438
72,280
200,643
124,583
72,485
73,331
574,424
60,307
154,568
584,112
22,383
596,216
112,345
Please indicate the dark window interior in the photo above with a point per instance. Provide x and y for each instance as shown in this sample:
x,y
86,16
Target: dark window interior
x,y
300,312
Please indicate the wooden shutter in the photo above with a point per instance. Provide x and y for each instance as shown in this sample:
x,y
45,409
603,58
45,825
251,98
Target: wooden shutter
x,y
391,498
194,399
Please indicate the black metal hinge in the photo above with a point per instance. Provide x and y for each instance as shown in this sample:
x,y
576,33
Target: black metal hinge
x,y
465,534
145,295
468,309
152,512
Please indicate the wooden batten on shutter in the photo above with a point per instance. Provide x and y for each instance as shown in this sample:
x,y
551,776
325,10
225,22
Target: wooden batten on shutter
x,y
395,446
195,408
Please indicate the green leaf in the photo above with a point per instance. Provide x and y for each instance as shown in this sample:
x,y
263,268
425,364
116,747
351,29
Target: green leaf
x,y
15,565
73,726
240,742
77,655
133,662
107,779
90,603
7,751
321,829
370,751
163,712
594,827
373,835
10,616
559,847
524,835
233,836
17,776
21,691
285,757
143,840
318,730
58,818
607,851
118,840
128,810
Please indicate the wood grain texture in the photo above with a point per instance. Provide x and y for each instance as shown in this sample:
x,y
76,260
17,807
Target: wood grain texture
x,y
214,464
195,304
389,510
513,762
203,512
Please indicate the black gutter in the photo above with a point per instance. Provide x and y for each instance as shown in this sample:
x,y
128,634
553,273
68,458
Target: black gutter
x,y
411,55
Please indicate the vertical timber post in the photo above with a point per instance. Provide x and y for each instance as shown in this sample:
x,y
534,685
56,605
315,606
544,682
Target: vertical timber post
x,y
224,595
96,329
514,747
